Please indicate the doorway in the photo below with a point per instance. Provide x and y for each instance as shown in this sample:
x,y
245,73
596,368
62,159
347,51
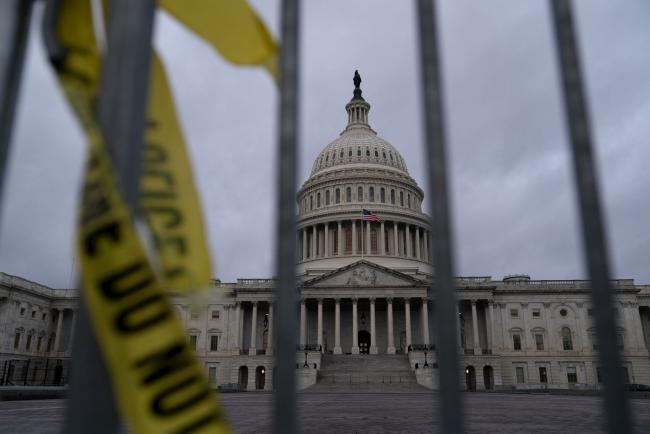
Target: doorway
x,y
364,342
470,378
488,377
260,377
243,377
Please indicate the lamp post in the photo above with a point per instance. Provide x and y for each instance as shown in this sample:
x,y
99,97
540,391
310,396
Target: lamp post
x,y
306,365
426,364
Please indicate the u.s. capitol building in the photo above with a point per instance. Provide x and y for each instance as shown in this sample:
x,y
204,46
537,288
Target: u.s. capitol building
x,y
364,313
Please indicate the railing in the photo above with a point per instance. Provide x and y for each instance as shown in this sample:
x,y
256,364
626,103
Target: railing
x,y
98,414
309,347
422,347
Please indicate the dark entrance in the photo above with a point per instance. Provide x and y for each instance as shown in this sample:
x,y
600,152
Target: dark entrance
x,y
470,378
488,377
243,377
260,377
364,342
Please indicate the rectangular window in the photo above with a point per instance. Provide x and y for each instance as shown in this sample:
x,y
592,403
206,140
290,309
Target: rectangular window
x,y
193,340
539,342
516,342
212,376
44,316
29,342
215,314
536,313
33,314
514,313
194,314
519,372
542,375
382,194
22,311
38,343
371,194
214,343
571,375
16,340
620,340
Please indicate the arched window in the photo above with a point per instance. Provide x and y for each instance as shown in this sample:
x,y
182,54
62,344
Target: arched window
x,y
311,203
371,194
373,241
401,198
391,156
341,153
384,154
360,194
408,196
382,195
367,152
376,153
567,342
338,195
327,197
349,152
348,194
392,197
327,158
358,152
318,200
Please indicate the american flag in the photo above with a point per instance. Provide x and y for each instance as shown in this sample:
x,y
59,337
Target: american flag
x,y
369,216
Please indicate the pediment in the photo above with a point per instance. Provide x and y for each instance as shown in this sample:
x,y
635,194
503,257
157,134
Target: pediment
x,y
364,274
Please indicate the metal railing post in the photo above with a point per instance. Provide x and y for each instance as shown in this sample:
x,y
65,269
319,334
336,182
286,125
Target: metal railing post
x,y
618,417
15,18
443,286
122,112
284,421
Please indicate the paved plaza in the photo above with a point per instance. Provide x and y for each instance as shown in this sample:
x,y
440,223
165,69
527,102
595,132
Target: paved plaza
x,y
366,413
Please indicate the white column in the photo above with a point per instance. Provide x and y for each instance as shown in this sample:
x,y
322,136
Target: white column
x,y
477,345
269,336
368,238
355,328
407,235
354,237
237,328
327,240
59,326
303,323
373,331
395,239
73,323
425,321
314,242
492,345
391,337
340,240
425,234
304,244
337,326
320,324
407,316
253,348
417,243
638,326
382,239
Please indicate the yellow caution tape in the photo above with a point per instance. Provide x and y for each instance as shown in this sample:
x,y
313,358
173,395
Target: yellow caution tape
x,y
168,198
159,384
231,27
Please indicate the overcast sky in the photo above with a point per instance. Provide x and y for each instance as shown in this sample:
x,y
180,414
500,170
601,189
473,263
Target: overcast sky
x,y
512,183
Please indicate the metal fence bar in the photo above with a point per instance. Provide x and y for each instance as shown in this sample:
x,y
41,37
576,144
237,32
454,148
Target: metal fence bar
x,y
122,112
284,421
443,287
616,407
14,30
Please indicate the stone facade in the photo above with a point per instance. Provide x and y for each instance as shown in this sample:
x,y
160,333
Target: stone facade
x,y
364,291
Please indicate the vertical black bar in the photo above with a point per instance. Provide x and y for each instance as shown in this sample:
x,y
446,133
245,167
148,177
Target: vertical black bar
x,y
593,232
284,421
441,249
14,30
122,111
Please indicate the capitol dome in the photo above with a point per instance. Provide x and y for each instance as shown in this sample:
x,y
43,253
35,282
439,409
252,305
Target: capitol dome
x,y
361,171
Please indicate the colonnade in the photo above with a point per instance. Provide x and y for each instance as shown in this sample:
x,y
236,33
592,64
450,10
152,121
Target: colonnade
x,y
392,238
390,348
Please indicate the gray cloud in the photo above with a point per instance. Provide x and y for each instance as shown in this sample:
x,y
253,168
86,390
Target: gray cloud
x,y
512,185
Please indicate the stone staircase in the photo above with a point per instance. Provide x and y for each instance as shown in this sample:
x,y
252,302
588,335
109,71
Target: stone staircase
x,y
366,373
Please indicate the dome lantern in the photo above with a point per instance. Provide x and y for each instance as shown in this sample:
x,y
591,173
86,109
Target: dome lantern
x,y
357,108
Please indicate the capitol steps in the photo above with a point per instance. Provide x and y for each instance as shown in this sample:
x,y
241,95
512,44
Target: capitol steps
x,y
366,373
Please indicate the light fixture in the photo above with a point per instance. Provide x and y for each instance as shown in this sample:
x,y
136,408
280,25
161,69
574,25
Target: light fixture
x,y
467,370
263,370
